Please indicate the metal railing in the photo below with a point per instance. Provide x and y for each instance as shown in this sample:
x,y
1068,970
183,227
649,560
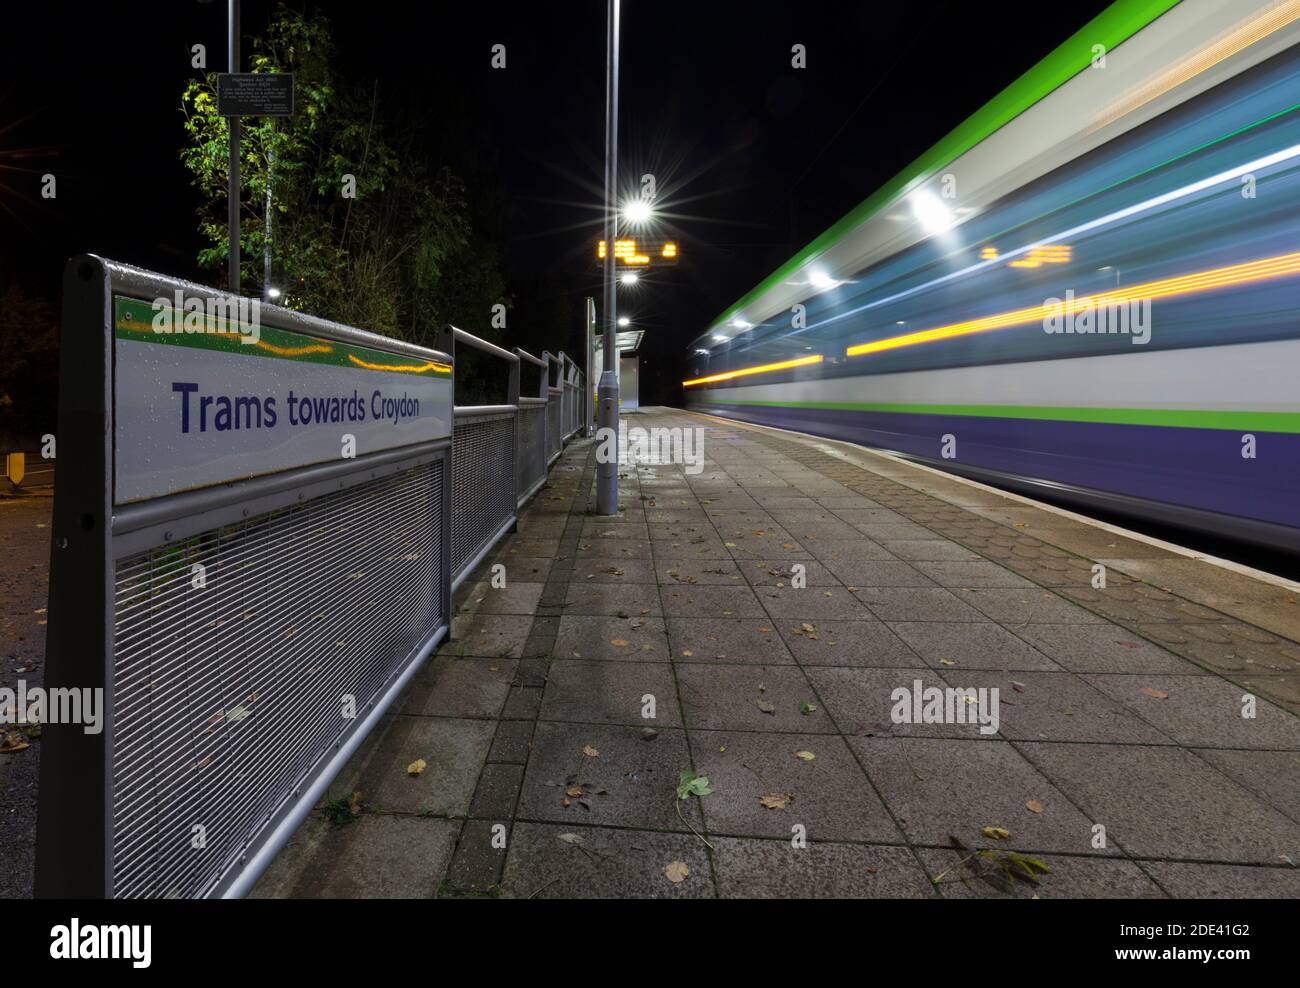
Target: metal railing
x,y
531,432
485,487
250,598
249,563
554,407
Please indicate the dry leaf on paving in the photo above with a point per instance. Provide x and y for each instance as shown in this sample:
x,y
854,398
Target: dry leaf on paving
x,y
677,871
417,766
995,833
804,756
1157,694
573,791
1034,806
619,642
569,838
590,752
776,801
766,707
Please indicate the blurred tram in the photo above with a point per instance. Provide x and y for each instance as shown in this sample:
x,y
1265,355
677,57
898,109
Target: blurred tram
x,y
1089,291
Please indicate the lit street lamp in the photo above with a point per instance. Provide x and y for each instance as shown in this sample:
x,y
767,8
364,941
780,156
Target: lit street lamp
x,y
638,211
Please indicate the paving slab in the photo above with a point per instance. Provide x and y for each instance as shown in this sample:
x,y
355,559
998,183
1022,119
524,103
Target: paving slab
x,y
610,693
1164,802
970,645
825,797
1103,648
1203,710
454,752
1200,881
971,875
627,639
551,862
371,857
750,698
1057,706
943,788
453,687
731,640
847,643
631,781
773,869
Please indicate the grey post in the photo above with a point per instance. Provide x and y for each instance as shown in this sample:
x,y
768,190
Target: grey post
x,y
607,472
233,122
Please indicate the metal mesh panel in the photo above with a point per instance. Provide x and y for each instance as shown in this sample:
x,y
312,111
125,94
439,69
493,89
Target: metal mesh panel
x,y
483,483
532,447
225,698
554,440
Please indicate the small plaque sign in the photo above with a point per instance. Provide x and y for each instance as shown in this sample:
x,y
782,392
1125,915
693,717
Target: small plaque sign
x,y
255,94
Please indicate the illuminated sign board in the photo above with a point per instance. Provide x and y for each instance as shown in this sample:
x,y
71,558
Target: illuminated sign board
x,y
641,253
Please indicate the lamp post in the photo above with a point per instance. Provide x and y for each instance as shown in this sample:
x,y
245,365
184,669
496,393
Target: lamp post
x,y
232,217
607,393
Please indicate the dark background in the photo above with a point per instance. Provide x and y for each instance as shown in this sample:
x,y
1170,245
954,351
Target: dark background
x,y
753,158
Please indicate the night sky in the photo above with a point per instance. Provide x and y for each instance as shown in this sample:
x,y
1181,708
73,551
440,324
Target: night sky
x,y
753,158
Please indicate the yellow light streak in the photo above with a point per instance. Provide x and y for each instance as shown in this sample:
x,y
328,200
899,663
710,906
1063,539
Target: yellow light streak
x,y
815,358
1281,266
1259,25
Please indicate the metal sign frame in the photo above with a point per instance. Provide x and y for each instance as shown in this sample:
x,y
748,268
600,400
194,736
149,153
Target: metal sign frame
x,y
75,831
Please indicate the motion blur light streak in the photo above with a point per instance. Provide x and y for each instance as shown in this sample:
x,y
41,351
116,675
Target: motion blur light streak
x,y
1179,231
1203,281
815,358
1243,35
1232,175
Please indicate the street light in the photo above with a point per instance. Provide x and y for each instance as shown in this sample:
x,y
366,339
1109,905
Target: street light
x,y
638,211
624,321
629,277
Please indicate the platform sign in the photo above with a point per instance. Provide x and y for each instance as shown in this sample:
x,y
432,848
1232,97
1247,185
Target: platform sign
x,y
255,94
638,253
224,399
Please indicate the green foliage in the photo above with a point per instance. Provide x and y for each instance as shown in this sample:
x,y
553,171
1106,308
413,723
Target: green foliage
x,y
397,259
689,784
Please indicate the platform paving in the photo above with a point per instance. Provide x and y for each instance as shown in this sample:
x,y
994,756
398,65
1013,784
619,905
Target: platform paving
x,y
1147,743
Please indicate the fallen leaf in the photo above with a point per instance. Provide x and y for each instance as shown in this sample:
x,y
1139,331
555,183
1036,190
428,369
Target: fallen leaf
x,y
677,872
806,708
947,662
590,752
804,756
995,833
766,707
569,838
1034,806
574,791
1157,694
776,801
416,767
